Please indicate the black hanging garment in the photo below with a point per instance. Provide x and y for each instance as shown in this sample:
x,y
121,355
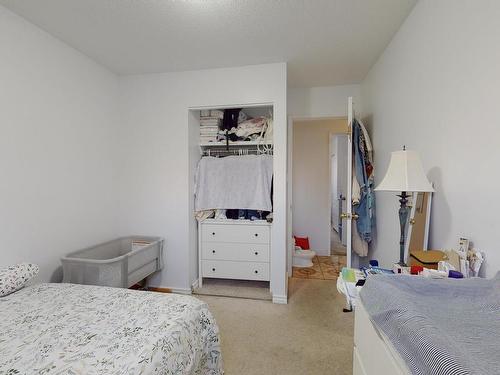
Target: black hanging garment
x,y
230,121
232,213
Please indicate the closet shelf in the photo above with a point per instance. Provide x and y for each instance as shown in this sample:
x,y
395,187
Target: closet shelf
x,y
235,143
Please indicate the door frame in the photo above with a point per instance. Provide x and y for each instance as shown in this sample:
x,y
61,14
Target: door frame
x,y
291,121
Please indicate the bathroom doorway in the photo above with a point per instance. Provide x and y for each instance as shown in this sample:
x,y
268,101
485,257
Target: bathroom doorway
x,y
319,147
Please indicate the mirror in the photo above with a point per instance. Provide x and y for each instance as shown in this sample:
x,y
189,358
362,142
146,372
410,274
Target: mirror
x,y
417,228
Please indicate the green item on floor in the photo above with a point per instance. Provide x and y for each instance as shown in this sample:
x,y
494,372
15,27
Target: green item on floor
x,y
348,274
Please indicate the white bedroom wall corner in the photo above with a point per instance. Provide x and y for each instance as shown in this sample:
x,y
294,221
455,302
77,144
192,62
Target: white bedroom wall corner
x,y
153,170
109,153
58,125
410,99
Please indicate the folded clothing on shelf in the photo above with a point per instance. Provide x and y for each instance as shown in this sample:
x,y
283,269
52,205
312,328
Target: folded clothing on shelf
x,y
209,128
248,127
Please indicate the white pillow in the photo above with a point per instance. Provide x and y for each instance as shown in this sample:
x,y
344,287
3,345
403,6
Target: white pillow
x,y
15,277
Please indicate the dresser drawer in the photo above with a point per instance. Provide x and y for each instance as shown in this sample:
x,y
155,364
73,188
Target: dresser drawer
x,y
235,233
245,252
235,270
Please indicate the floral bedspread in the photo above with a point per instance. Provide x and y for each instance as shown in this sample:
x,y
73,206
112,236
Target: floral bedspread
x,y
80,329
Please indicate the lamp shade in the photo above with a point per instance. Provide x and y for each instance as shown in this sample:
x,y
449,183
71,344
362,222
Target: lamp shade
x,y
405,173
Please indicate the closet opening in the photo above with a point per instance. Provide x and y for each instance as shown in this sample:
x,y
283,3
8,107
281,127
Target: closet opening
x,y
231,207
319,161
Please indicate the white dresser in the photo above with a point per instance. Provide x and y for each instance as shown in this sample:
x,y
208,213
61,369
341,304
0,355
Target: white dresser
x,y
234,249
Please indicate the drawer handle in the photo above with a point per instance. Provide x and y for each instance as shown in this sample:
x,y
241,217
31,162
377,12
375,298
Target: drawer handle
x,y
256,235
256,271
213,251
213,233
256,253
213,269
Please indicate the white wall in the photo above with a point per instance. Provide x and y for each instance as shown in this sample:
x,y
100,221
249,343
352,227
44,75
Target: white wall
x,y
155,163
435,89
311,200
57,125
86,156
328,101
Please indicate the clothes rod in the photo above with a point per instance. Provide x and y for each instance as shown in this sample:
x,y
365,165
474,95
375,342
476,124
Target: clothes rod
x,y
239,152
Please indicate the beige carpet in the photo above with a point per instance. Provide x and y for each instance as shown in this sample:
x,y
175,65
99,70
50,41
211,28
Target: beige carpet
x,y
309,336
235,288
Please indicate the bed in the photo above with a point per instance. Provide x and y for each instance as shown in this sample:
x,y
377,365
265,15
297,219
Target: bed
x,y
412,325
81,329
373,353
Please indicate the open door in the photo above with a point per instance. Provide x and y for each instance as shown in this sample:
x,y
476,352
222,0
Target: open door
x,y
347,215
338,190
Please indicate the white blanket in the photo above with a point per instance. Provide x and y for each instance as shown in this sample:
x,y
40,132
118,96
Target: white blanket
x,y
234,182
92,330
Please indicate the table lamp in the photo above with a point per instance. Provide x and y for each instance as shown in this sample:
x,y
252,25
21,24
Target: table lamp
x,y
405,174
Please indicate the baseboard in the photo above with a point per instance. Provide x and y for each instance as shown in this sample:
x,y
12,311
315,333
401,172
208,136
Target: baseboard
x,y
159,290
170,290
282,300
182,290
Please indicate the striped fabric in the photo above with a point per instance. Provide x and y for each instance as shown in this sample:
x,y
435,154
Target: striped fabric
x,y
442,327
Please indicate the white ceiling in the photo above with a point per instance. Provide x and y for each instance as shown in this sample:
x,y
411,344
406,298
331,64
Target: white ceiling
x,y
325,42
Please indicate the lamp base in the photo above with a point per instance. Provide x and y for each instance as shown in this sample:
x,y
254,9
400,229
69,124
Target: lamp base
x,y
403,219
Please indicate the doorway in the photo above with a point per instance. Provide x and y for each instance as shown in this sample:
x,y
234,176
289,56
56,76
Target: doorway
x,y
319,176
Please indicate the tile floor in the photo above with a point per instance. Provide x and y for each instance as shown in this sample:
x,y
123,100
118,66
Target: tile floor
x,y
323,268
